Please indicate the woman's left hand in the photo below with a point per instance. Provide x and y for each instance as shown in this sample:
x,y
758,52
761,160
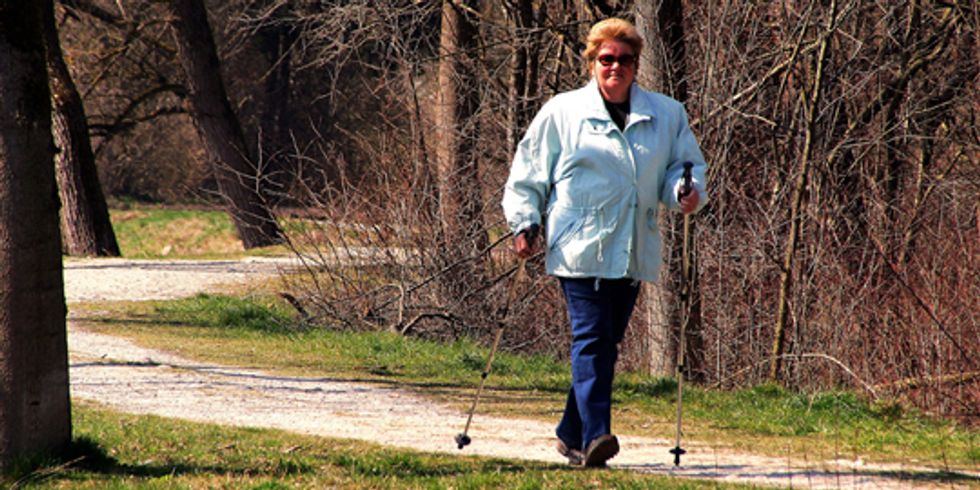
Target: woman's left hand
x,y
689,203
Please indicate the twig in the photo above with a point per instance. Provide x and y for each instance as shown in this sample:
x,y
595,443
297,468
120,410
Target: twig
x,y
297,305
445,316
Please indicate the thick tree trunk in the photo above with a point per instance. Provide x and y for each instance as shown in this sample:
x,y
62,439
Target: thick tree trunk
x,y
658,346
652,69
663,63
459,184
663,67
35,413
85,226
237,175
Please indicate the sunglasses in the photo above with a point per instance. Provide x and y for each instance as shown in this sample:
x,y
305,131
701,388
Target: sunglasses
x,y
625,60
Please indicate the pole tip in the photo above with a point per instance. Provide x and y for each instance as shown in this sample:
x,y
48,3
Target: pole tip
x,y
462,440
677,452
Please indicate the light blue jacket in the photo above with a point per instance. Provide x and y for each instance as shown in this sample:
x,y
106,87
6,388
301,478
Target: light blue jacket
x,y
599,188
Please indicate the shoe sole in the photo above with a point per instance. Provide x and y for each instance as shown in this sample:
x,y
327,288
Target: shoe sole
x,y
601,450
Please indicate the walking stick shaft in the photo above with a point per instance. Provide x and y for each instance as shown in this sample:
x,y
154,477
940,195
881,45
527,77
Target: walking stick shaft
x,y
483,377
463,439
686,188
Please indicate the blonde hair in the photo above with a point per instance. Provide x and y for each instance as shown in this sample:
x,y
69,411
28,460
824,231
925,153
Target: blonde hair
x,y
612,29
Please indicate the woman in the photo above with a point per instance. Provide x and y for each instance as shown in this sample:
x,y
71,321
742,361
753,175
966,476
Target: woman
x,y
596,163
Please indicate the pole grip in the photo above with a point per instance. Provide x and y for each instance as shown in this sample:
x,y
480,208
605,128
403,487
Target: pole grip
x,y
531,232
687,184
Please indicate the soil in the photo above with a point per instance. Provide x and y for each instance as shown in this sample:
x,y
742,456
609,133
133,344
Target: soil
x,y
119,374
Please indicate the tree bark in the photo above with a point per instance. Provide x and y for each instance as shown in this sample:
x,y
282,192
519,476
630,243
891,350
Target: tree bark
x,y
35,414
237,175
85,226
659,345
663,67
652,69
663,62
523,85
459,184
518,72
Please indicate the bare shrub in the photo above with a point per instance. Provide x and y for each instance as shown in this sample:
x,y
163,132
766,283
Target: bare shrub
x,y
884,285
884,290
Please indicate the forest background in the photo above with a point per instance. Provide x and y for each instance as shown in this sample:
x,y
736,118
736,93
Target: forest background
x,y
841,245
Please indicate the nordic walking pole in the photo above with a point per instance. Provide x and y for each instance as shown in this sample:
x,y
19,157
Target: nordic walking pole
x,y
462,439
686,189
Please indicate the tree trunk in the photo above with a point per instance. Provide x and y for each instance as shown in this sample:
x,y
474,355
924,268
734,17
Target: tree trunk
x,y
459,184
237,176
652,69
659,344
663,63
523,84
85,226
663,67
35,414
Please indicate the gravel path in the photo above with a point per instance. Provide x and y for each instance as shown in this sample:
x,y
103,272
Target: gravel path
x,y
117,373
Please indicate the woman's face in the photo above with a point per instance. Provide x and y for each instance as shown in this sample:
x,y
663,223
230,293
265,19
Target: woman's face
x,y
615,68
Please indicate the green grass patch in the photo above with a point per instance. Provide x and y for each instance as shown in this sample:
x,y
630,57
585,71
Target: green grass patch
x,y
826,424
159,232
226,312
165,233
147,232
120,451
261,332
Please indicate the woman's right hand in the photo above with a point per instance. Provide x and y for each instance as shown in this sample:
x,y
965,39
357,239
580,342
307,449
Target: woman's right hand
x,y
689,202
526,242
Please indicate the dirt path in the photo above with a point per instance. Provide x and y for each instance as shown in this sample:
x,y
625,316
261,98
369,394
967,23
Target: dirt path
x,y
119,374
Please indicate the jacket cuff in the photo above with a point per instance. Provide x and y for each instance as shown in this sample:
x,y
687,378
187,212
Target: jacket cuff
x,y
521,226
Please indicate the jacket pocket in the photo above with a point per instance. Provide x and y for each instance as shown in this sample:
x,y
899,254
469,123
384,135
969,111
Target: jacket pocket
x,y
570,224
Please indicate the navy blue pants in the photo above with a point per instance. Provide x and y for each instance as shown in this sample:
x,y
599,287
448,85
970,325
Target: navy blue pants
x,y
598,317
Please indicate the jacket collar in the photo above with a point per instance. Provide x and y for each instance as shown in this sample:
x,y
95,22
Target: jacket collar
x,y
640,108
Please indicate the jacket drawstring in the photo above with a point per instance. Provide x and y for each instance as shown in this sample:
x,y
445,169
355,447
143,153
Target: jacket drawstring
x,y
602,229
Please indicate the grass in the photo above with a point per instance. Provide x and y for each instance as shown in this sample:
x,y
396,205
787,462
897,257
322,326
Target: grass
x,y
119,451
260,332
158,232
826,424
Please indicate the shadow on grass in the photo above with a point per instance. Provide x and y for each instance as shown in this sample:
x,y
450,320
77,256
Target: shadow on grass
x,y
135,320
85,459
405,467
86,456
